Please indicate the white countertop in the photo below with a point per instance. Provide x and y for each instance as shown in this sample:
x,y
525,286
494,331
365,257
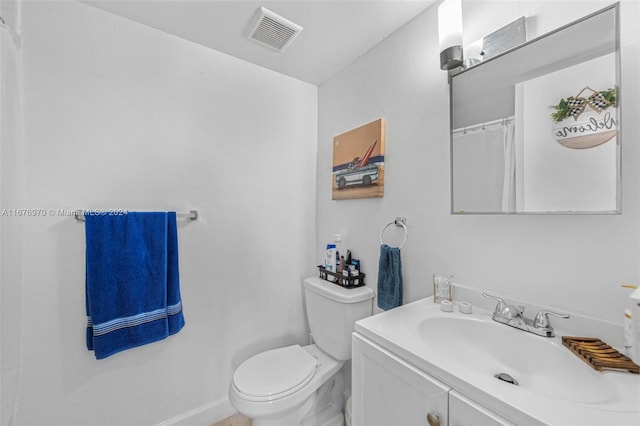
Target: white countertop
x,y
597,398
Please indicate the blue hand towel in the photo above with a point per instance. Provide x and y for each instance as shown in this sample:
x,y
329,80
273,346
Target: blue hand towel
x,y
132,280
389,278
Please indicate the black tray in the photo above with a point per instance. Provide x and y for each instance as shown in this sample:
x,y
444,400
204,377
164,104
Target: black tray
x,y
341,280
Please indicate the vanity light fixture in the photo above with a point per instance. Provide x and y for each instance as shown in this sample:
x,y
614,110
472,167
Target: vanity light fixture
x,y
450,34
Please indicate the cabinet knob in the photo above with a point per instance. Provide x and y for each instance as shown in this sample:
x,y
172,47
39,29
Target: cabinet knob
x,y
433,419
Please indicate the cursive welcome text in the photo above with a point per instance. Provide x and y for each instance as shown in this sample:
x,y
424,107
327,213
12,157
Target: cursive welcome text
x,y
591,126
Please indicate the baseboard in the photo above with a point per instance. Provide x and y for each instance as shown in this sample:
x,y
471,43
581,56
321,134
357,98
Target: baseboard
x,y
205,415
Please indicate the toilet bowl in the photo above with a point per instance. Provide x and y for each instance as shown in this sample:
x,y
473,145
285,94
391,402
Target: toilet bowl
x,y
283,386
304,385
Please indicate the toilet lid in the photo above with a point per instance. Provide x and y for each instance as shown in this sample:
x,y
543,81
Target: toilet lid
x,y
275,373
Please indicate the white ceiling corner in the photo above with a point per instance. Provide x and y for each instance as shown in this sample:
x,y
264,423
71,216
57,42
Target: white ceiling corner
x,y
336,32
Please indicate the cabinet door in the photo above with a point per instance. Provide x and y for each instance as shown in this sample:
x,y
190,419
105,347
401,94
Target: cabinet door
x,y
389,392
464,412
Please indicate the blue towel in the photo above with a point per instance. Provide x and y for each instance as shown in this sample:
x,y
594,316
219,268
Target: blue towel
x,y
132,280
389,278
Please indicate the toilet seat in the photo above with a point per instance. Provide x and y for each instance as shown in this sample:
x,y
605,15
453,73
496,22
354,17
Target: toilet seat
x,y
275,373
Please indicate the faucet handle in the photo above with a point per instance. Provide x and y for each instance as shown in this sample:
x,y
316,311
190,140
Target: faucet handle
x,y
500,307
542,318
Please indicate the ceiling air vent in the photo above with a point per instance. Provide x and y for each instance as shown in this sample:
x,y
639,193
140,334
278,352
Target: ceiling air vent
x,y
272,30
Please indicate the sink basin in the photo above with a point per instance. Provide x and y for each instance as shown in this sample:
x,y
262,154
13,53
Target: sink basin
x,y
467,351
539,364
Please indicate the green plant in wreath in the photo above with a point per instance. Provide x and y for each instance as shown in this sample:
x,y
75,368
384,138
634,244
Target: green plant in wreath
x,y
573,106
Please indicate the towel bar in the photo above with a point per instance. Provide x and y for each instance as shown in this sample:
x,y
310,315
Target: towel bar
x,y
79,214
400,222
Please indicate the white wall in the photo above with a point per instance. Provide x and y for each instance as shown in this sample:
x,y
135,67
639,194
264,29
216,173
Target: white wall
x,y
11,194
569,262
119,115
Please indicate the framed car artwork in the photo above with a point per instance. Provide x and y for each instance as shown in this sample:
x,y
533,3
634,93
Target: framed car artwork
x,y
358,162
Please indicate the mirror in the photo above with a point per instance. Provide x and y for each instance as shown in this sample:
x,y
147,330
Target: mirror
x,y
510,155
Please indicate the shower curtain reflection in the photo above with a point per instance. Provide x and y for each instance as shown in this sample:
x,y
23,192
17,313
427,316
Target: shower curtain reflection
x,y
484,167
509,180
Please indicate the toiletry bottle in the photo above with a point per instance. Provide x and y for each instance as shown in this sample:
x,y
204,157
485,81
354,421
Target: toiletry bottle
x,y
337,242
355,270
330,260
356,264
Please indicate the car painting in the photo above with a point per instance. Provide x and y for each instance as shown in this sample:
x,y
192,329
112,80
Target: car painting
x,y
358,172
358,162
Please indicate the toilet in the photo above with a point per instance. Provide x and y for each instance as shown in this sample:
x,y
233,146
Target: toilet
x,y
303,385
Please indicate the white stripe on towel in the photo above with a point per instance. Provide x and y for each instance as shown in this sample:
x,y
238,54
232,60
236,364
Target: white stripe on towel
x,y
134,320
174,309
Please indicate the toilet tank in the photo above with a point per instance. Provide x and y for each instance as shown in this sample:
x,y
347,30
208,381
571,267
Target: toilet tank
x,y
332,311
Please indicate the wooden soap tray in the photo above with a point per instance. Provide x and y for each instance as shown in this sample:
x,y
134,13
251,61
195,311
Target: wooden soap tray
x,y
599,355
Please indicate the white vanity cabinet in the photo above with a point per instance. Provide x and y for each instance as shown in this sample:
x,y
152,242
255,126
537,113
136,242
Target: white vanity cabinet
x,y
387,391
464,412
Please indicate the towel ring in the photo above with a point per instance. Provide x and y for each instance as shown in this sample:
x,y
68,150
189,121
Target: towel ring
x,y
400,221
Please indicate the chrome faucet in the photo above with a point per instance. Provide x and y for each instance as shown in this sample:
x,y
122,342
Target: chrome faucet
x,y
514,317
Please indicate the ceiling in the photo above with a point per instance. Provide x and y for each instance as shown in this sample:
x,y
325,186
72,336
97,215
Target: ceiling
x,y
335,32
